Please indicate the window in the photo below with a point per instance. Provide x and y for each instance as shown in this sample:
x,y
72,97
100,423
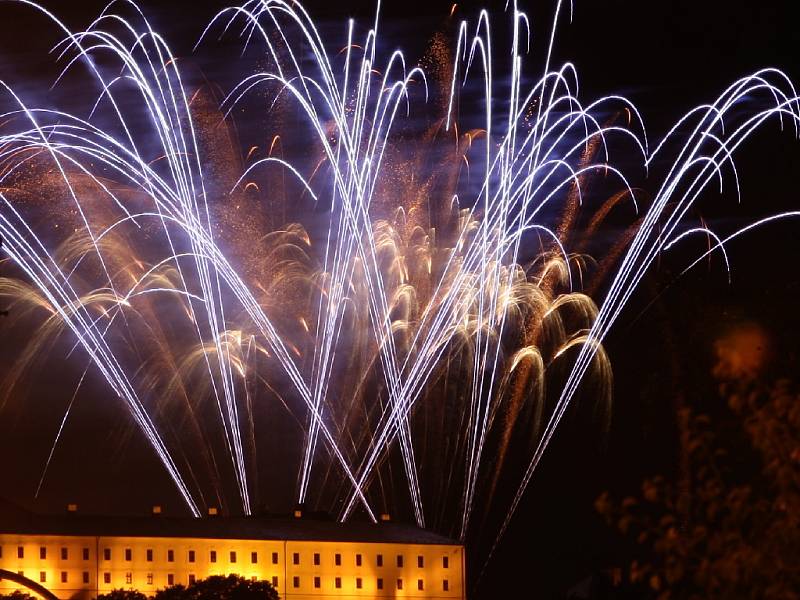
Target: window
x,y
316,558
149,554
275,581
358,560
170,555
86,577
399,561
358,583
191,556
296,581
420,561
380,583
63,577
446,562
296,559
1,552
106,577
380,560
128,554
149,579
446,585
128,578
254,557
42,576
420,584
233,556
399,584
43,553
85,554
20,552
64,554
253,578
337,582
274,558
170,579
316,582
192,579
337,558
106,553
213,556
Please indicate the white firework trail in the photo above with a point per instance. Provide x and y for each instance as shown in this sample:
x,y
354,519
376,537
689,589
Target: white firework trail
x,y
526,168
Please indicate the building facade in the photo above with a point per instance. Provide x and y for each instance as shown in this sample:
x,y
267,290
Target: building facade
x,y
78,557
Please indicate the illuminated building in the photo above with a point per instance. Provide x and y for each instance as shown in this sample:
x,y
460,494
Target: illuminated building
x,y
78,556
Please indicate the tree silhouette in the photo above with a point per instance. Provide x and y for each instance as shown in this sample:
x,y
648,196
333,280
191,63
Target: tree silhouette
x,y
736,534
219,587
122,595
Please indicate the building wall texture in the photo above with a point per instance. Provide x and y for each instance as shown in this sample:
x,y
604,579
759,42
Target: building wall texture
x,y
80,567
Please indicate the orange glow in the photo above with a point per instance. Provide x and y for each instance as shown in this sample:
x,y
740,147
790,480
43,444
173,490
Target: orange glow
x,y
742,353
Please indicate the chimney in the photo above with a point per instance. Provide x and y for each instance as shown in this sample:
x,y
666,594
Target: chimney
x,y
385,517
72,508
212,511
157,509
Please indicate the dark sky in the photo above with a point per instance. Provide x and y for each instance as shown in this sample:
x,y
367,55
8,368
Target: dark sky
x,y
666,57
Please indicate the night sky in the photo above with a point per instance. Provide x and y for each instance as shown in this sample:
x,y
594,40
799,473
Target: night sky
x,y
666,57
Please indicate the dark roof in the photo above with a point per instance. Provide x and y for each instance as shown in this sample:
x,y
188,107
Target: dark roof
x,y
242,528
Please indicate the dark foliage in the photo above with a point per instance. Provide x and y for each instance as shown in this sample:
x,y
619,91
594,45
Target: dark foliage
x,y
122,595
729,525
218,587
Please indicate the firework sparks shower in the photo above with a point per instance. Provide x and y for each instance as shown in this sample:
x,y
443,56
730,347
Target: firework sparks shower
x,y
418,303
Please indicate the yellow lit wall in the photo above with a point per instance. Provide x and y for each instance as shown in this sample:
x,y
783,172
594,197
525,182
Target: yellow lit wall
x,y
81,567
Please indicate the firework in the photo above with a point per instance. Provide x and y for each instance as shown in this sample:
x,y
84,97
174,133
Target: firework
x,y
417,307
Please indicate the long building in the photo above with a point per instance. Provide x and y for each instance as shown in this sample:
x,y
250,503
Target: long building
x,y
76,556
